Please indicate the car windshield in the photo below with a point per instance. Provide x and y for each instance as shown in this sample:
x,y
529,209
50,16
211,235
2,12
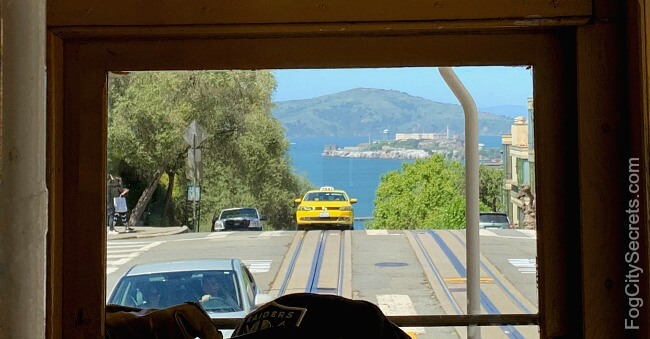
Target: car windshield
x,y
325,196
216,291
496,218
243,212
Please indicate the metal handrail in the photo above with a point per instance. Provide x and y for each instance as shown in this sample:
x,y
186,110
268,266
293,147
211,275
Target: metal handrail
x,y
441,320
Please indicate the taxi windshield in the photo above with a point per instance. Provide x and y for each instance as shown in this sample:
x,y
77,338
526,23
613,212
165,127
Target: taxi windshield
x,y
325,196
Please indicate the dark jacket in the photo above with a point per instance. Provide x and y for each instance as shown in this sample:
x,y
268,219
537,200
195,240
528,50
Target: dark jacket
x,y
308,315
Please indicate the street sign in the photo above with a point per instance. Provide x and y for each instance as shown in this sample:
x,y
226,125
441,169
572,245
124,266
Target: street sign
x,y
193,193
189,173
194,134
194,164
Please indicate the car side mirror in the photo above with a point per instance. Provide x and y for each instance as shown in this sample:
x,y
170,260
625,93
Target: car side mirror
x,y
262,218
262,298
353,201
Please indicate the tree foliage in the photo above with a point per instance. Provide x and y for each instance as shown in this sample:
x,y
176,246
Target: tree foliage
x,y
490,187
430,194
245,161
425,194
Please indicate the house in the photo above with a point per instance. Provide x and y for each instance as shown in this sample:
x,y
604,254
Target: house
x,y
519,167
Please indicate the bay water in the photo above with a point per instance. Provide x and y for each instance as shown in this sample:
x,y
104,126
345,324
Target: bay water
x,y
358,177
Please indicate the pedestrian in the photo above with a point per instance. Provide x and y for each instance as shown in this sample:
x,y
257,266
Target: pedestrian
x,y
112,189
116,209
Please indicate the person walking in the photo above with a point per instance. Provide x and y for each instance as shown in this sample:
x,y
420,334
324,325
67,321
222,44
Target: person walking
x,y
112,189
116,190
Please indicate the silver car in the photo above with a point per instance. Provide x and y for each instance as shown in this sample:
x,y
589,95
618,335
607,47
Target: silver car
x,y
225,288
494,220
239,218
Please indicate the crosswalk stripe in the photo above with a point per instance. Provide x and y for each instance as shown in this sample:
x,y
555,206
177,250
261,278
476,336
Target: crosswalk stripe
x,y
128,255
258,266
128,250
398,304
125,252
218,234
119,243
525,266
121,261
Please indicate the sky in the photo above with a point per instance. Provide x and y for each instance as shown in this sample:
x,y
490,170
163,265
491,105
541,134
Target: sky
x,y
489,85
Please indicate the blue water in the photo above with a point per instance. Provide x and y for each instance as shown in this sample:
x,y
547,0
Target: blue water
x,y
490,140
358,177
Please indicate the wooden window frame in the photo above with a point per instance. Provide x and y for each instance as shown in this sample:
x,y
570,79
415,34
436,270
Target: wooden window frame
x,y
83,48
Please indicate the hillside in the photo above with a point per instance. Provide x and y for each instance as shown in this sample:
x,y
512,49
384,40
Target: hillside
x,y
364,111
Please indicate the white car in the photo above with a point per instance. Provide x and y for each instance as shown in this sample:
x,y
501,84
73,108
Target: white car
x,y
164,284
240,218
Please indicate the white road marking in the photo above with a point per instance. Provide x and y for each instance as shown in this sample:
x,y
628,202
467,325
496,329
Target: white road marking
x,y
125,252
118,263
526,234
112,244
130,254
258,266
398,304
486,233
530,233
218,234
525,266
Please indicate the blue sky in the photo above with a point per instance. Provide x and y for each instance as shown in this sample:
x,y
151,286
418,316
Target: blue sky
x,y
489,85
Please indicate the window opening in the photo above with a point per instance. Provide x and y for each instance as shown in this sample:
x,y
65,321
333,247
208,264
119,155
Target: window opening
x,y
377,148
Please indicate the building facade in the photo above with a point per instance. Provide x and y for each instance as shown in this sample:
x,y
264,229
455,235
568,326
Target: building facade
x,y
519,170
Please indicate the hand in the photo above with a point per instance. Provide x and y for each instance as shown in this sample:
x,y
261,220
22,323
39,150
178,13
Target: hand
x,y
205,297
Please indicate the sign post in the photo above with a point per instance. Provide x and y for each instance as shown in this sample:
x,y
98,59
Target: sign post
x,y
194,135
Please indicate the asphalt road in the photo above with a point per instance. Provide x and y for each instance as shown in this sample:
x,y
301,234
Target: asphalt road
x,y
403,272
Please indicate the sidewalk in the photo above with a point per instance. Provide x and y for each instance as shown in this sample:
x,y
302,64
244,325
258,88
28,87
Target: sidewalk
x,y
145,232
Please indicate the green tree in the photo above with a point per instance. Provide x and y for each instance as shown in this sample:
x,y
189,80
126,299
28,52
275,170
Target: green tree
x,y
490,187
145,123
428,193
244,157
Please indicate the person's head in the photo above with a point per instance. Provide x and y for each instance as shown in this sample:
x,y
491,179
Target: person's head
x,y
211,285
151,295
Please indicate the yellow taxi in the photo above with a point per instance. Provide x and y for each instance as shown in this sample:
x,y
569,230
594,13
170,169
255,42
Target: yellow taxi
x,y
326,208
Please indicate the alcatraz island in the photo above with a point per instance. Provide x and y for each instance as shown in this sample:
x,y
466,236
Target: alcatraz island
x,y
414,146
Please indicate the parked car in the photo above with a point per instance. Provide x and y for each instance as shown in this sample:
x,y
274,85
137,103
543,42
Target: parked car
x,y
326,208
494,220
225,288
240,218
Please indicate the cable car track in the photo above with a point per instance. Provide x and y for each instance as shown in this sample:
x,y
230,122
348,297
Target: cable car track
x,y
325,253
451,294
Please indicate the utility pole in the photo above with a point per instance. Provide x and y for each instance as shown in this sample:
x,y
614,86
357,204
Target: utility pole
x,y
194,135
471,196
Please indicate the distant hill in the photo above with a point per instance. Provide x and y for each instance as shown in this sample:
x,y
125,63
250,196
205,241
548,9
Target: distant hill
x,y
511,111
365,111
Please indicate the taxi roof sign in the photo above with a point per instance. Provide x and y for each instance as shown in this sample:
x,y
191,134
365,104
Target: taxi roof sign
x,y
327,188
